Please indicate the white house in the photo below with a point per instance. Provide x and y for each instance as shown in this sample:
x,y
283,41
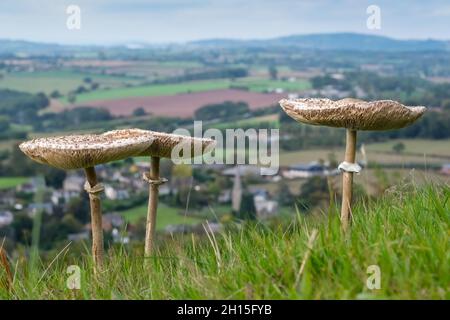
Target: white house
x,y
265,208
6,218
73,183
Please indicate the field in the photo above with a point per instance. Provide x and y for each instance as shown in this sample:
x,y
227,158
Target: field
x,y
166,216
420,152
152,90
372,180
262,85
185,104
63,81
11,182
253,85
403,235
416,146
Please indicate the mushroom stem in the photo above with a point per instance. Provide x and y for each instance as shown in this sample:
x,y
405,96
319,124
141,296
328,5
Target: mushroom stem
x,y
96,220
347,179
152,205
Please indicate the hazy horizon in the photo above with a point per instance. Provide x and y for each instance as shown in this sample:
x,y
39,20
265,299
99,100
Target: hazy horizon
x,y
131,42
108,22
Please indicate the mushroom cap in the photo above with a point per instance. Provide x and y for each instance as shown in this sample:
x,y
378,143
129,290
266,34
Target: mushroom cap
x,y
88,150
162,145
352,114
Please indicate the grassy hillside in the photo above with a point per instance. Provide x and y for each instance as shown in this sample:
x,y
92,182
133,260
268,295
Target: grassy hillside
x,y
405,234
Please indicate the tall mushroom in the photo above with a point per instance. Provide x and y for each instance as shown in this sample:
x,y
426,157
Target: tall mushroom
x,y
162,145
85,152
352,114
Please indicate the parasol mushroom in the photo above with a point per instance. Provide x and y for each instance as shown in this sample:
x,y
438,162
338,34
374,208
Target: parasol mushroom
x,y
163,145
85,152
352,114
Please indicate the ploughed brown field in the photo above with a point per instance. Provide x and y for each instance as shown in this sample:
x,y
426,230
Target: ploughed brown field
x,y
185,104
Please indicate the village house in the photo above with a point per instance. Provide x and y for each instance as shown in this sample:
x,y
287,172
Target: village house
x,y
265,208
84,235
308,170
113,193
7,198
32,185
249,170
73,183
224,196
45,207
6,218
445,170
59,197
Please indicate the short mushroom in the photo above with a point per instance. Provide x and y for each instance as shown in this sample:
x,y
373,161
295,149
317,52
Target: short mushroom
x,y
85,152
352,114
162,146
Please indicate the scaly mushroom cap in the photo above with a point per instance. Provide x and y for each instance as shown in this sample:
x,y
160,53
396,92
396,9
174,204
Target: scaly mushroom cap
x,y
352,113
88,150
163,144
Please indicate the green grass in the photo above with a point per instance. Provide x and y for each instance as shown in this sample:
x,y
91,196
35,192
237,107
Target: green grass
x,y
153,90
11,182
63,81
166,216
405,234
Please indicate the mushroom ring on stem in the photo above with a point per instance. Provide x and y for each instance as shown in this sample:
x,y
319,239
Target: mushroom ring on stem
x,y
165,145
85,152
354,115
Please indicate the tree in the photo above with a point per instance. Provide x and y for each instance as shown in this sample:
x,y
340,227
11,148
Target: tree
x,y
138,112
227,110
79,207
55,94
398,147
4,123
285,197
54,177
72,97
248,210
446,105
94,86
313,192
273,72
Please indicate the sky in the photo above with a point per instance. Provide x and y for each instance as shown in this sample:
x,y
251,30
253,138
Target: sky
x,y
163,21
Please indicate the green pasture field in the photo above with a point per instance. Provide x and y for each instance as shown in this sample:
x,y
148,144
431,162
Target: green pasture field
x,y
415,146
63,81
166,216
11,182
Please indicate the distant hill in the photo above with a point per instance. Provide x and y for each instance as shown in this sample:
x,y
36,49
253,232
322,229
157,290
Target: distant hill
x,y
335,41
18,47
329,41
